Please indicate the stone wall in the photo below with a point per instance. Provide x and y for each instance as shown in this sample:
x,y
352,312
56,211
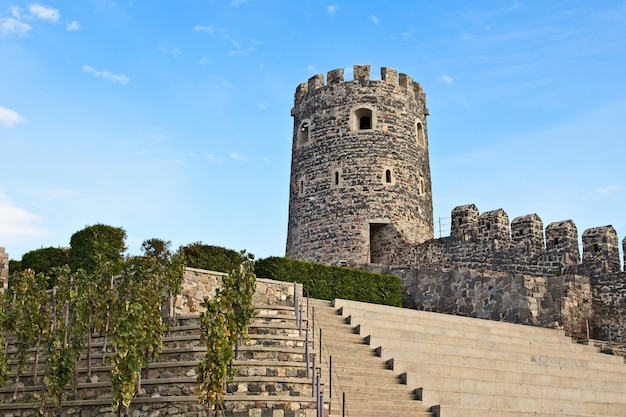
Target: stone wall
x,y
360,173
562,302
609,306
199,284
4,270
488,241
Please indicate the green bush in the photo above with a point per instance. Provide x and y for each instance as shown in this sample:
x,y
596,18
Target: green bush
x,y
96,245
212,258
330,282
44,259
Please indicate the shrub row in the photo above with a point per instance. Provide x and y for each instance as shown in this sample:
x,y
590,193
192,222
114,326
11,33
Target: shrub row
x,y
330,282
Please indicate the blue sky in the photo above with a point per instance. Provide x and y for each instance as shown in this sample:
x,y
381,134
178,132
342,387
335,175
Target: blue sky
x,y
171,119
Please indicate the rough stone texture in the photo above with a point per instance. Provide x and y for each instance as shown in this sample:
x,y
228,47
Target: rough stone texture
x,y
358,193
4,270
199,284
482,245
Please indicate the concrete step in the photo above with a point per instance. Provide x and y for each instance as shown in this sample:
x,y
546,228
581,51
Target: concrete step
x,y
418,316
488,341
542,367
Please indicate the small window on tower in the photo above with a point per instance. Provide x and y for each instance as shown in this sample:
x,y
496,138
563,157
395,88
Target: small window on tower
x,y
362,119
303,133
336,177
301,188
388,176
419,130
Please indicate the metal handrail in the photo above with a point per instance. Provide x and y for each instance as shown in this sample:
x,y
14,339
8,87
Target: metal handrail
x,y
324,357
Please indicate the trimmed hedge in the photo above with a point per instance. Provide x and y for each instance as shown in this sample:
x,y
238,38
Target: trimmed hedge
x,y
212,258
330,282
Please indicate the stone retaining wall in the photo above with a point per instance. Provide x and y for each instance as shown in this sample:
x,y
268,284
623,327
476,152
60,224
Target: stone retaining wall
x,y
554,301
199,284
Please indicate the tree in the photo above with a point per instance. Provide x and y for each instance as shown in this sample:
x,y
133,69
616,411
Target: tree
x,y
97,245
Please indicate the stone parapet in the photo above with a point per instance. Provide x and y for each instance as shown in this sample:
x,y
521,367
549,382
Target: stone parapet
x,y
200,284
4,270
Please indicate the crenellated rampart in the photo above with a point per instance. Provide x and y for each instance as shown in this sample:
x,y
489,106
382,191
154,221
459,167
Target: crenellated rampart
x,y
488,241
519,271
361,76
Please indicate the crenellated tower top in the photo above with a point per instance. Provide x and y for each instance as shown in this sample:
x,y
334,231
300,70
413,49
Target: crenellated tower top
x,y
360,172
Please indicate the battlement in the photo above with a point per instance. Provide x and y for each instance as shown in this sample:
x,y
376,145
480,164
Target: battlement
x,y
525,236
361,76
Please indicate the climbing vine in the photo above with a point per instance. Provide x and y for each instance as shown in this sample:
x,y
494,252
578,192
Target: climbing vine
x,y
226,317
143,289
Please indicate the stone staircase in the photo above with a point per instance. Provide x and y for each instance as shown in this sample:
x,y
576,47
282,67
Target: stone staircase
x,y
270,375
371,388
468,367
386,361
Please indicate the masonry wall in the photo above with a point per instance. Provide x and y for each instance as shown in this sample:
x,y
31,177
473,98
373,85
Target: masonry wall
x,y
4,270
200,284
360,175
518,271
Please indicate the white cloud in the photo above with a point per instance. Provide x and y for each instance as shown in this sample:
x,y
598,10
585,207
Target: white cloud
x,y
72,26
17,224
200,28
237,3
10,26
210,157
242,52
311,68
204,61
332,9
45,13
176,51
9,118
238,157
16,12
116,78
374,19
447,79
609,190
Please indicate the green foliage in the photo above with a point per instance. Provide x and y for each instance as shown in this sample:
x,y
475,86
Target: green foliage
x,y
27,313
44,259
97,246
15,266
227,316
143,287
212,258
129,357
330,282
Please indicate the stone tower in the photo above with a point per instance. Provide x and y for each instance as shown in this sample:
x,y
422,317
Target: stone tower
x,y
360,176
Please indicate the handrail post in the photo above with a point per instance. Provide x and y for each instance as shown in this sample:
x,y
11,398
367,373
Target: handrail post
x,y
314,373
300,322
313,309
343,404
320,341
306,352
318,394
295,300
330,376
